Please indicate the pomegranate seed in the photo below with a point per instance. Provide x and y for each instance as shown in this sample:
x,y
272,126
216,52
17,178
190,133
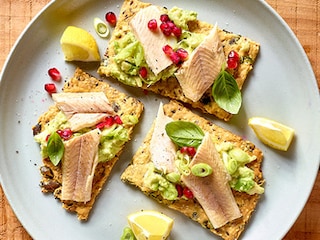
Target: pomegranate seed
x,y
170,24
111,18
176,31
50,88
65,133
167,49
164,18
175,58
153,25
165,28
183,54
47,137
100,125
187,193
180,190
184,150
109,121
54,74
191,151
232,64
143,72
117,119
233,54
233,59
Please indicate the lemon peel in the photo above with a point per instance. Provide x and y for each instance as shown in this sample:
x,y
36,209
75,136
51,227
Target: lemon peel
x,y
272,133
79,45
151,225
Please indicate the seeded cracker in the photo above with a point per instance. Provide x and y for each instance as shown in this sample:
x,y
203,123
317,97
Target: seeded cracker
x,y
246,48
191,208
51,175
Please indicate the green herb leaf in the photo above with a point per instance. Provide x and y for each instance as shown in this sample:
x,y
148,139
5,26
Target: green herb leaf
x,y
55,148
185,133
226,92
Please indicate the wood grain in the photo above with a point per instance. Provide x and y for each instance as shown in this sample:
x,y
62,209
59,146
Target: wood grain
x,y
302,16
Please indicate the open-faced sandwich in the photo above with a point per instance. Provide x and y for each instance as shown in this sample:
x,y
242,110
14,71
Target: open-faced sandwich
x,y
172,53
199,169
81,137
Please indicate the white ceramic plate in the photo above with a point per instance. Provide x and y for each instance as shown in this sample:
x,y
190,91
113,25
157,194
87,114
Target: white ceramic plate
x,y
282,87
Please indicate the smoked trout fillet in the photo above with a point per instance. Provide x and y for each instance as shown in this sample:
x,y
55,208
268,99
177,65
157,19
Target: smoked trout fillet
x,y
94,122
181,85
216,206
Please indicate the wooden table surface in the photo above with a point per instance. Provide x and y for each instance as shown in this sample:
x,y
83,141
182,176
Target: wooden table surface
x,y
302,16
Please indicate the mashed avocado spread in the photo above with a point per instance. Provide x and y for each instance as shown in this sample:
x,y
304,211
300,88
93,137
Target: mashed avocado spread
x,y
129,53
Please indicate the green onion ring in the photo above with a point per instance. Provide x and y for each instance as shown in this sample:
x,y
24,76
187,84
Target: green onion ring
x,y
101,28
201,170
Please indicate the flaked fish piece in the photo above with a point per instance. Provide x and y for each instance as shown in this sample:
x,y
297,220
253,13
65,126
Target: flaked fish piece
x,y
151,41
213,191
79,121
78,166
162,149
203,66
85,102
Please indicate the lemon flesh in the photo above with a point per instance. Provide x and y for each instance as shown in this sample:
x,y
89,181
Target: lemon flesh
x,y
79,45
272,133
151,225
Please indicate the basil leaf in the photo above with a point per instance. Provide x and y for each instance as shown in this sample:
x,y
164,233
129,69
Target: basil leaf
x,y
184,133
226,92
55,148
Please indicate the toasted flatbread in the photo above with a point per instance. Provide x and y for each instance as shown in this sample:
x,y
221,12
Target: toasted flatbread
x,y
134,174
52,175
246,48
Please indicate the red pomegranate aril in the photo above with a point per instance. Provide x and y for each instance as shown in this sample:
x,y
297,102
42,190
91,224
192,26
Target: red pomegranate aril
x,y
184,150
47,137
233,54
191,151
54,74
164,18
179,190
153,25
176,31
50,88
170,24
100,125
167,49
109,121
187,193
183,54
143,72
117,119
232,63
166,30
233,59
175,58
111,18
65,134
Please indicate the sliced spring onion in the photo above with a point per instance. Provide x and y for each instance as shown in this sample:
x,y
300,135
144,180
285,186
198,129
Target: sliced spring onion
x,y
201,170
183,166
173,177
101,28
232,166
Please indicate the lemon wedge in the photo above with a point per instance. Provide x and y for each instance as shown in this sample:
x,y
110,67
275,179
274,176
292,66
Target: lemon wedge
x,y
272,133
79,45
151,225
